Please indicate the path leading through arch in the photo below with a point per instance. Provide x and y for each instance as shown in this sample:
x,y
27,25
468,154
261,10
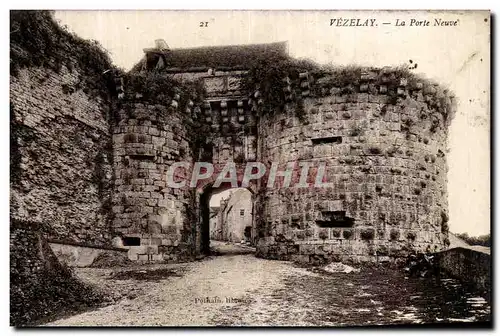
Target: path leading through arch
x,y
245,290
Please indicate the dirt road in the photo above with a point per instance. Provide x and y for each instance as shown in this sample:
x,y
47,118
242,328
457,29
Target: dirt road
x,y
191,299
244,290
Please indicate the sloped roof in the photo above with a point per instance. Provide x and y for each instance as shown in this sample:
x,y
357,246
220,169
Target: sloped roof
x,y
230,56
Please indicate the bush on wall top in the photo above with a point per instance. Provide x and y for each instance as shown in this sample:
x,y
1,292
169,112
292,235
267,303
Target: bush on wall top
x,y
267,73
36,39
158,88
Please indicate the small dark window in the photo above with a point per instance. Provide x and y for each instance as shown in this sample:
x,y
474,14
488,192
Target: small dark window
x,y
232,107
131,241
215,107
327,140
242,212
143,157
334,219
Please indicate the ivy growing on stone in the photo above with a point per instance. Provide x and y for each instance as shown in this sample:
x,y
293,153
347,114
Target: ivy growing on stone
x,y
36,39
267,74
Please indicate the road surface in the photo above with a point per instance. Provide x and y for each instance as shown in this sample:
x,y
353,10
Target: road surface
x,y
240,289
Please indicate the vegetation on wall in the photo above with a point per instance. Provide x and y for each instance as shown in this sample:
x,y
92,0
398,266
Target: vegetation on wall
x,y
42,288
37,40
153,87
157,88
267,74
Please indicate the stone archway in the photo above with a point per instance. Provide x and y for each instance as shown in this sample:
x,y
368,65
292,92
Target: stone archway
x,y
204,220
386,167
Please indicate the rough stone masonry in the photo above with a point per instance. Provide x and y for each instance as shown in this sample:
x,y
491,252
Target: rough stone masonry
x,y
95,169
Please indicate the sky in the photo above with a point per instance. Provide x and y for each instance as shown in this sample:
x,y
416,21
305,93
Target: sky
x,y
456,56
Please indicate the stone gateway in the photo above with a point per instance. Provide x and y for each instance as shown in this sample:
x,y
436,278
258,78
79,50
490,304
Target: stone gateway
x,y
380,134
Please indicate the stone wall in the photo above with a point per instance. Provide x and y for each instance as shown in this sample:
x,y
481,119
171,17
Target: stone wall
x,y
228,117
153,221
61,153
39,286
73,255
383,146
385,160
95,168
469,265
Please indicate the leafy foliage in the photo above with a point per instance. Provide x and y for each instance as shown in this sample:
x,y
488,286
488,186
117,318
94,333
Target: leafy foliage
x,y
36,39
484,240
266,75
41,288
158,88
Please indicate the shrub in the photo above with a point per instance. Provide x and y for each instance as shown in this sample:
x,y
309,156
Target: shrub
x,y
157,88
484,240
267,72
36,39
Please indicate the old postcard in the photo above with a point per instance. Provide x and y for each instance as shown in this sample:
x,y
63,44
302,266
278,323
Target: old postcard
x,y
250,168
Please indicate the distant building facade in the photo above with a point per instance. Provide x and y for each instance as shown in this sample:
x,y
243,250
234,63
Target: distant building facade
x,y
232,221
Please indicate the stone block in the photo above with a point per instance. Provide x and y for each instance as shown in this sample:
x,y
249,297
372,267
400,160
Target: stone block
x,y
137,250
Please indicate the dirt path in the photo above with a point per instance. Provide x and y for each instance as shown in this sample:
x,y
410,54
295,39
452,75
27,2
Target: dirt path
x,y
244,290
193,299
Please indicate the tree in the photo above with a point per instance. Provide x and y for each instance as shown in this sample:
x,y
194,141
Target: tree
x,y
484,240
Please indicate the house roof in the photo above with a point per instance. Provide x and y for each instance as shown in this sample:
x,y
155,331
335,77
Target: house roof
x,y
220,57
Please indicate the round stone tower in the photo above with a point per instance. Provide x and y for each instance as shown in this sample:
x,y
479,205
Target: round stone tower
x,y
153,131
382,138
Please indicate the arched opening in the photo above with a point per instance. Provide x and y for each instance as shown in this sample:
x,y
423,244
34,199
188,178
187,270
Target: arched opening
x,y
227,218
